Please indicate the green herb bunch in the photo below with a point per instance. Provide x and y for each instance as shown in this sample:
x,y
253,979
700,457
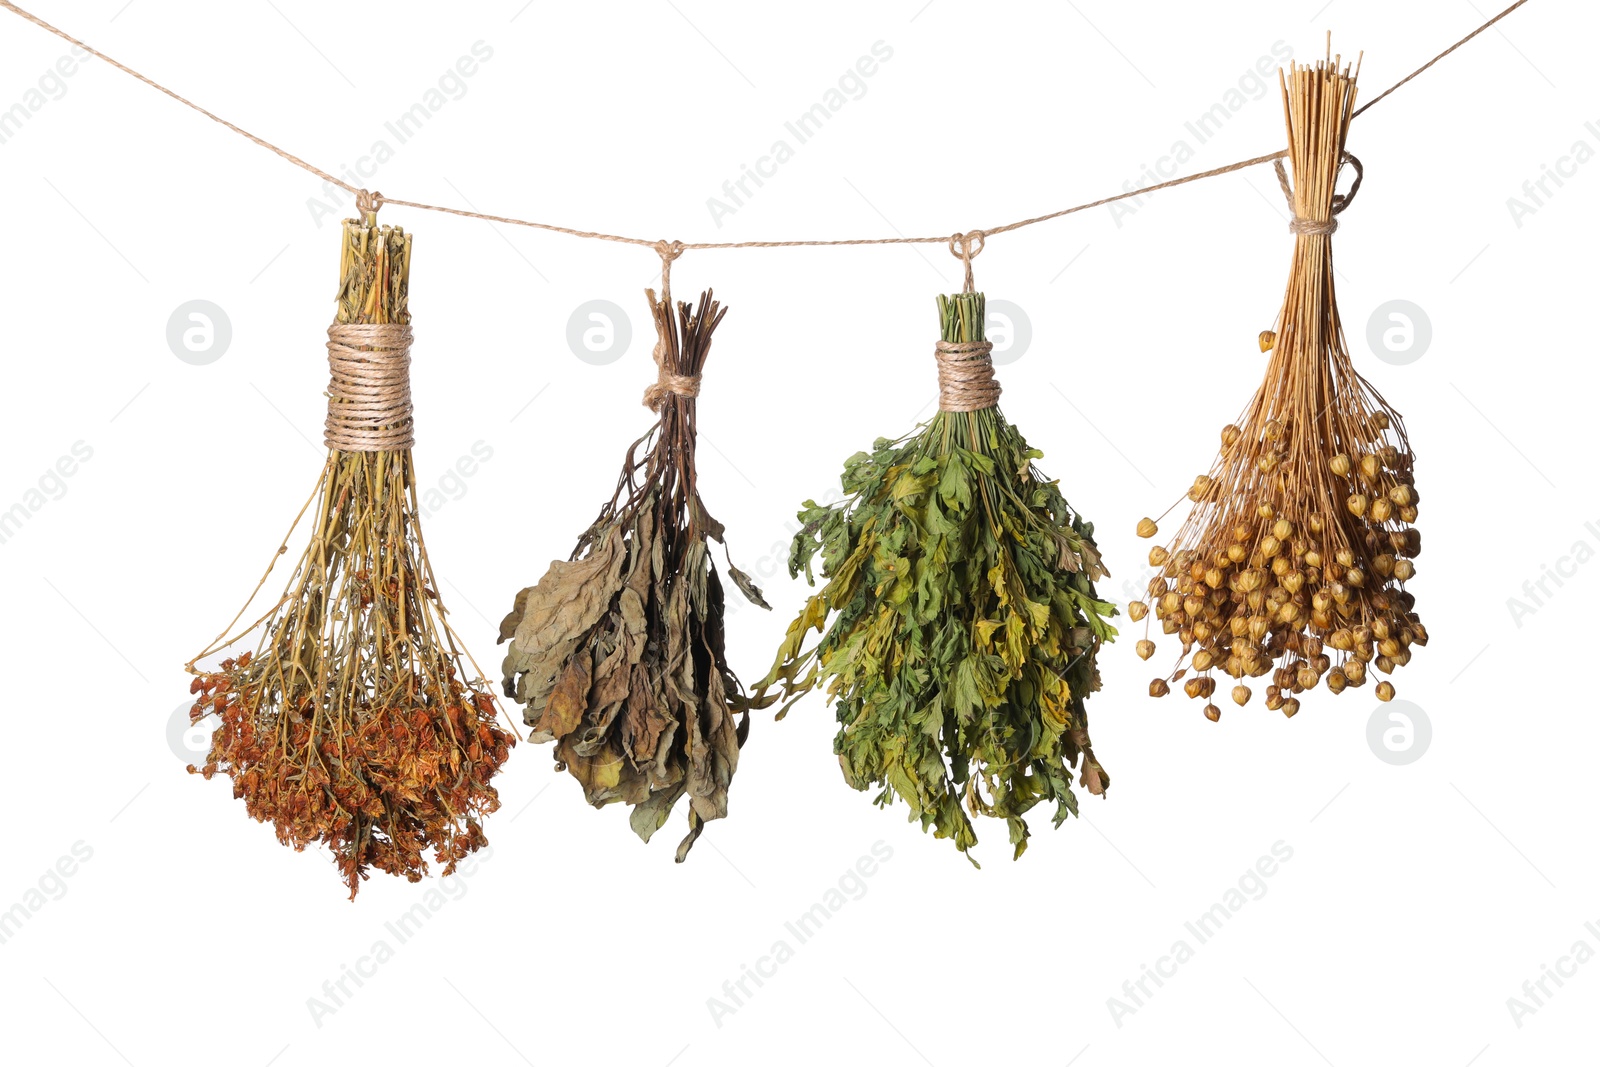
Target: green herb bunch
x,y
964,621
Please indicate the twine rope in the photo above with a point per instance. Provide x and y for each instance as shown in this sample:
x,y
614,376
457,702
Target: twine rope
x,y
668,382
1303,225
373,200
369,387
966,252
966,375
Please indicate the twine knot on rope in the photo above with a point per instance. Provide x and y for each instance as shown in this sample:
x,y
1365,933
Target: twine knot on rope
x,y
1302,225
966,375
966,252
368,203
369,388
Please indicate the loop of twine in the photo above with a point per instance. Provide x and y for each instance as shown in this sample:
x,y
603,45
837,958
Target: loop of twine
x,y
966,375
967,252
368,203
668,382
369,388
1300,225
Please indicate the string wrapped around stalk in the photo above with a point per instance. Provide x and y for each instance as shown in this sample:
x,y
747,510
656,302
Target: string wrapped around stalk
x,y
1293,562
618,653
353,722
959,618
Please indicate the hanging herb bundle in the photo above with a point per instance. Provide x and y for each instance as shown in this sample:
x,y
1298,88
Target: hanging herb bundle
x,y
1293,562
618,653
353,722
965,623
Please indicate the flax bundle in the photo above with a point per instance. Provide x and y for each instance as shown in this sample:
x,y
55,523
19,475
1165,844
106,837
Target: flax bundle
x,y
1293,562
353,722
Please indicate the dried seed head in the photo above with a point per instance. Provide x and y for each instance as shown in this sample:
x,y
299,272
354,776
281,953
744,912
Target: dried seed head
x,y
1315,524
1158,687
1382,509
1201,486
1265,510
1158,556
1385,691
1291,708
1404,569
1283,529
1380,420
1401,495
1241,695
1357,503
1268,340
1137,610
1147,527
1370,467
1213,712
1145,648
1340,464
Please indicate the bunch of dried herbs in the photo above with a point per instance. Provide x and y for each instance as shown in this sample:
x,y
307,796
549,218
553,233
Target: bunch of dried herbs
x,y
1292,565
618,653
964,620
354,722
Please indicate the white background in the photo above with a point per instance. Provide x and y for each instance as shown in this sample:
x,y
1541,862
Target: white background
x,y
1418,898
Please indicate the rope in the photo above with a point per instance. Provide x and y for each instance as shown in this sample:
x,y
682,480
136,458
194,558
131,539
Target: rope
x,y
369,387
374,200
966,375
1302,225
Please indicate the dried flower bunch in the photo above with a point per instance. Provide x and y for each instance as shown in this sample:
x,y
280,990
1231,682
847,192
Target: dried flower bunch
x,y
354,723
618,653
1292,564
965,622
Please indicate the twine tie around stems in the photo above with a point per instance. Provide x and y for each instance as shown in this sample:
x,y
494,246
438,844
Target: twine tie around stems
x,y
966,376
1300,225
668,382
966,371
369,387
